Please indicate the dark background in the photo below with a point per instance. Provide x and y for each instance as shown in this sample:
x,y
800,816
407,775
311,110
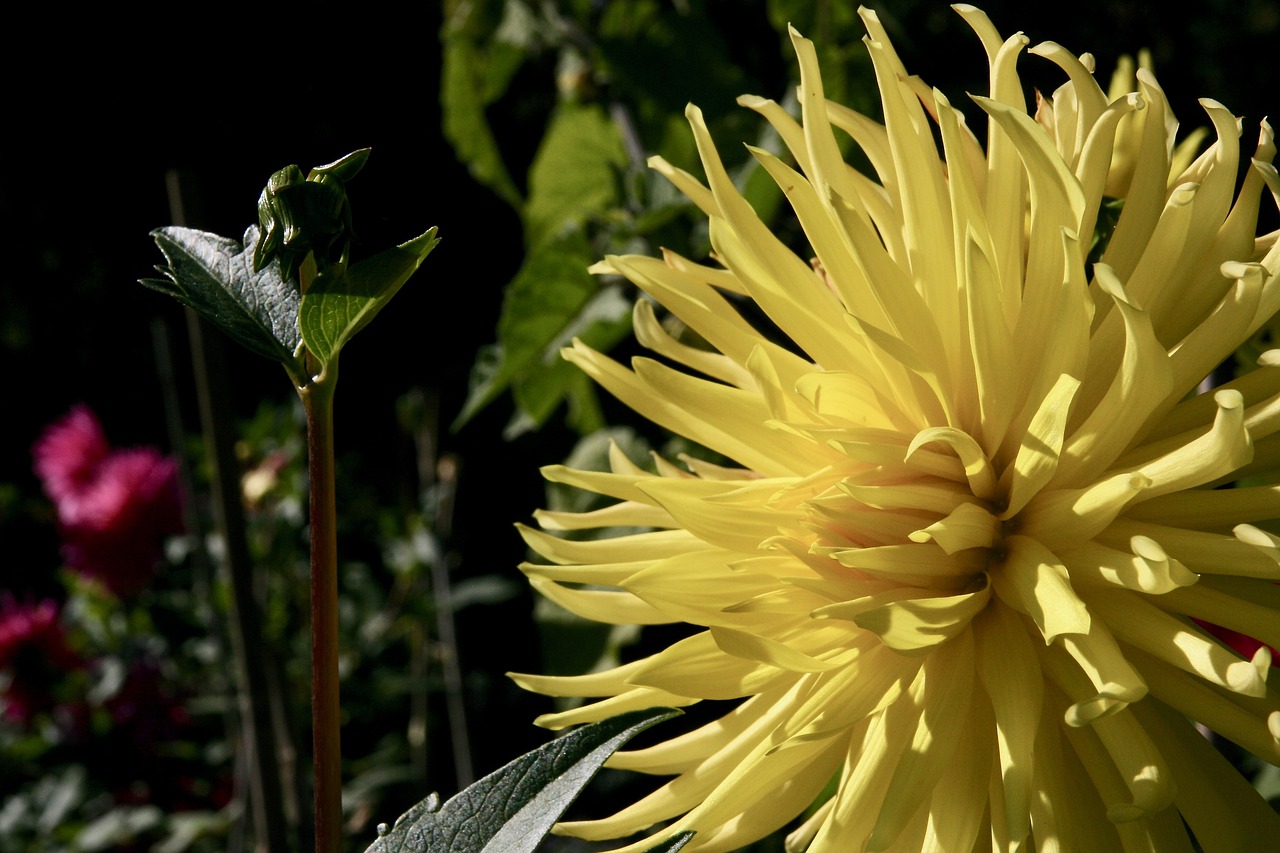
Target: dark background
x,y
98,110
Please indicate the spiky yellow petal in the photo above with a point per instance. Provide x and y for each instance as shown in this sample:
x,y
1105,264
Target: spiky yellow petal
x,y
975,534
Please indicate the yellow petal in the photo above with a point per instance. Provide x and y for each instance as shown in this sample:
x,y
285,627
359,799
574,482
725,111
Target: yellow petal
x,y
1251,722
736,525
1034,581
967,526
977,468
1011,678
1117,682
1143,625
639,546
943,691
608,606
753,647
917,625
696,666
1220,807
1143,379
628,514
1247,554
1241,613
1145,567
1037,457
637,699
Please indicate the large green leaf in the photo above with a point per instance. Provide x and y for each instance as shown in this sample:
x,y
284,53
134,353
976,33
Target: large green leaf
x,y
600,323
480,58
575,173
511,809
662,60
552,300
341,302
215,276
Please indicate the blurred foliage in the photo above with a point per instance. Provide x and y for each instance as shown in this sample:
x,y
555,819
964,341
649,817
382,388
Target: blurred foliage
x,y
615,78
136,750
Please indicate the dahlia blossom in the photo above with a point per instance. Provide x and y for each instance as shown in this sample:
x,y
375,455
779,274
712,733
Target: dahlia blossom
x,y
972,509
34,658
115,506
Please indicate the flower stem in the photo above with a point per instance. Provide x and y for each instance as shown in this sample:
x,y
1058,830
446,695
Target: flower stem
x,y
317,397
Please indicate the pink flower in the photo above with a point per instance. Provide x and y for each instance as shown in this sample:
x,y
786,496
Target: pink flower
x,y
68,454
114,506
34,657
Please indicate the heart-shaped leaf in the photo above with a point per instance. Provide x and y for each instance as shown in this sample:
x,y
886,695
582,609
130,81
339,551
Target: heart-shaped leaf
x,y
511,809
215,277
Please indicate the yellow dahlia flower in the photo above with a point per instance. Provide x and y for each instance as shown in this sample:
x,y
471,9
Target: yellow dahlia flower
x,y
975,504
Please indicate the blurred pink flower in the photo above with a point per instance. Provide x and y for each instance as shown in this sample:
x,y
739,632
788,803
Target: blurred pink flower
x,y
34,657
114,506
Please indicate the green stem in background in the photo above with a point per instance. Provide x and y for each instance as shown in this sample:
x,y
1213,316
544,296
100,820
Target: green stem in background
x,y
317,397
247,291
270,812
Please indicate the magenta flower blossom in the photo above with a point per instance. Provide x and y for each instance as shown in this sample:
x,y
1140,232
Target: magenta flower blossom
x,y
115,506
34,657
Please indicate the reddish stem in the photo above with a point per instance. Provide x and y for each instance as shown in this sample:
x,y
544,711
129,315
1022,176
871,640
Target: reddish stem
x,y
325,708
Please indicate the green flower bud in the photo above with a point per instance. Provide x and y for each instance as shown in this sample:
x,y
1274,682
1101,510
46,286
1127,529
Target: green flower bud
x,y
300,216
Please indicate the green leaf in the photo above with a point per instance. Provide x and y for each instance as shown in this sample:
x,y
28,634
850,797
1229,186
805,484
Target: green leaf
x,y
477,67
599,323
551,300
215,277
662,61
341,302
575,173
511,809
344,168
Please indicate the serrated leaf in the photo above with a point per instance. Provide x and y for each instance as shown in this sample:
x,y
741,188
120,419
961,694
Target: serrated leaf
x,y
340,302
214,276
551,300
511,809
575,172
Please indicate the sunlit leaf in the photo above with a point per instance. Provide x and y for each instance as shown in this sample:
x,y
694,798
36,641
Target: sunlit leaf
x,y
341,302
551,301
511,809
215,277
575,173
